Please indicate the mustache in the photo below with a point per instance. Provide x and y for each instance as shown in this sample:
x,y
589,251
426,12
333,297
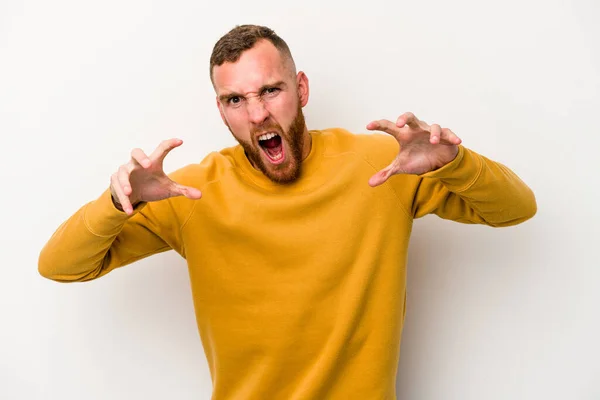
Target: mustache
x,y
270,127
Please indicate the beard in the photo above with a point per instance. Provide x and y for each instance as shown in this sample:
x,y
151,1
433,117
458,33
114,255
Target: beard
x,y
288,171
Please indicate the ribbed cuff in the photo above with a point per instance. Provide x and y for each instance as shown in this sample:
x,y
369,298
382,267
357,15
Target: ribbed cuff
x,y
460,173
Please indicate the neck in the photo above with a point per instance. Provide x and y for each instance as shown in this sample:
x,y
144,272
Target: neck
x,y
307,144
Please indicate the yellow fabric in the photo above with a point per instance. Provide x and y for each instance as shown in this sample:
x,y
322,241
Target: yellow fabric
x,y
299,290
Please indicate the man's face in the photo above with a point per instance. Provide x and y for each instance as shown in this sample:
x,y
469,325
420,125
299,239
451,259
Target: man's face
x,y
260,101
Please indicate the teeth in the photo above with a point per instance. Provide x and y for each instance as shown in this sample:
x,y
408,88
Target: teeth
x,y
266,136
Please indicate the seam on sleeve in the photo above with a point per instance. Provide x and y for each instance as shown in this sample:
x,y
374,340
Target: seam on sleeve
x,y
477,175
85,222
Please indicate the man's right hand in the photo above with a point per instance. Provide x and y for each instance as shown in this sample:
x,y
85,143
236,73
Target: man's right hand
x,y
142,179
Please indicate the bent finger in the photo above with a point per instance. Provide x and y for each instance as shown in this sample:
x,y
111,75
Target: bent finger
x,y
409,119
123,176
122,198
435,135
384,125
450,137
164,148
140,157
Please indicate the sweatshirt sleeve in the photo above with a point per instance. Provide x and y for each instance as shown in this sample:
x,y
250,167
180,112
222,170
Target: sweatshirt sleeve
x,y
474,189
98,238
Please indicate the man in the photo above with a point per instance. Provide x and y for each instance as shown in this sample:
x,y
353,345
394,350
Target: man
x,y
296,239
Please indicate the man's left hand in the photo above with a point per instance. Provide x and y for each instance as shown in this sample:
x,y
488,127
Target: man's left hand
x,y
423,147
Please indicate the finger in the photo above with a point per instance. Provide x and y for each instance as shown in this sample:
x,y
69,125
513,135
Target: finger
x,y
409,119
385,126
164,148
188,191
381,176
450,137
141,158
435,135
123,177
121,197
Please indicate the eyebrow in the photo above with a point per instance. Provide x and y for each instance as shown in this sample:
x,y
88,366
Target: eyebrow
x,y
226,96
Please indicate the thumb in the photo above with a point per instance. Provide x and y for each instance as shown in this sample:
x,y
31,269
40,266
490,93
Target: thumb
x,y
381,176
188,191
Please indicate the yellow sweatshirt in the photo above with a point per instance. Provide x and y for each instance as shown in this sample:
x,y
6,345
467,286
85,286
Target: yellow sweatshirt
x,y
299,291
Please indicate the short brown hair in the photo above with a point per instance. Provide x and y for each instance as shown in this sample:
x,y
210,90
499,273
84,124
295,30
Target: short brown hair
x,y
230,46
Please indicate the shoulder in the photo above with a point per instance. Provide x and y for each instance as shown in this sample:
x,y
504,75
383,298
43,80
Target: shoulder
x,y
377,149
208,170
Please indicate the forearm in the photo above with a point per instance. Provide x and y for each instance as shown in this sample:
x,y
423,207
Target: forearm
x,y
75,252
118,206
479,190
95,240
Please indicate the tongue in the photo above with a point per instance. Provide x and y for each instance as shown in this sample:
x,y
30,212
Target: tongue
x,y
272,143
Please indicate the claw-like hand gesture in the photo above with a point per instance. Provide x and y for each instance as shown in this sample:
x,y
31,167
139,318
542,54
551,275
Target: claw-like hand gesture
x,y
142,179
423,148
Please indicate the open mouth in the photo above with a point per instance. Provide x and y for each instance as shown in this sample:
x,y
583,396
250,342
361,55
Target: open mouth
x,y
272,146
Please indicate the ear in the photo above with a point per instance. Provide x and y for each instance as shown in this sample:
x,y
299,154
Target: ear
x,y
303,91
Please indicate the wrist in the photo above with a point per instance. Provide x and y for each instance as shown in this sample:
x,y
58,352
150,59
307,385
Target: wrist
x,y
448,158
118,205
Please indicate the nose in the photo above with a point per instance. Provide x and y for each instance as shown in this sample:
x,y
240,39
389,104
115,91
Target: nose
x,y
257,112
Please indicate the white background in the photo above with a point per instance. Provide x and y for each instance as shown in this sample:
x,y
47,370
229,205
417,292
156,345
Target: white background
x,y
508,313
